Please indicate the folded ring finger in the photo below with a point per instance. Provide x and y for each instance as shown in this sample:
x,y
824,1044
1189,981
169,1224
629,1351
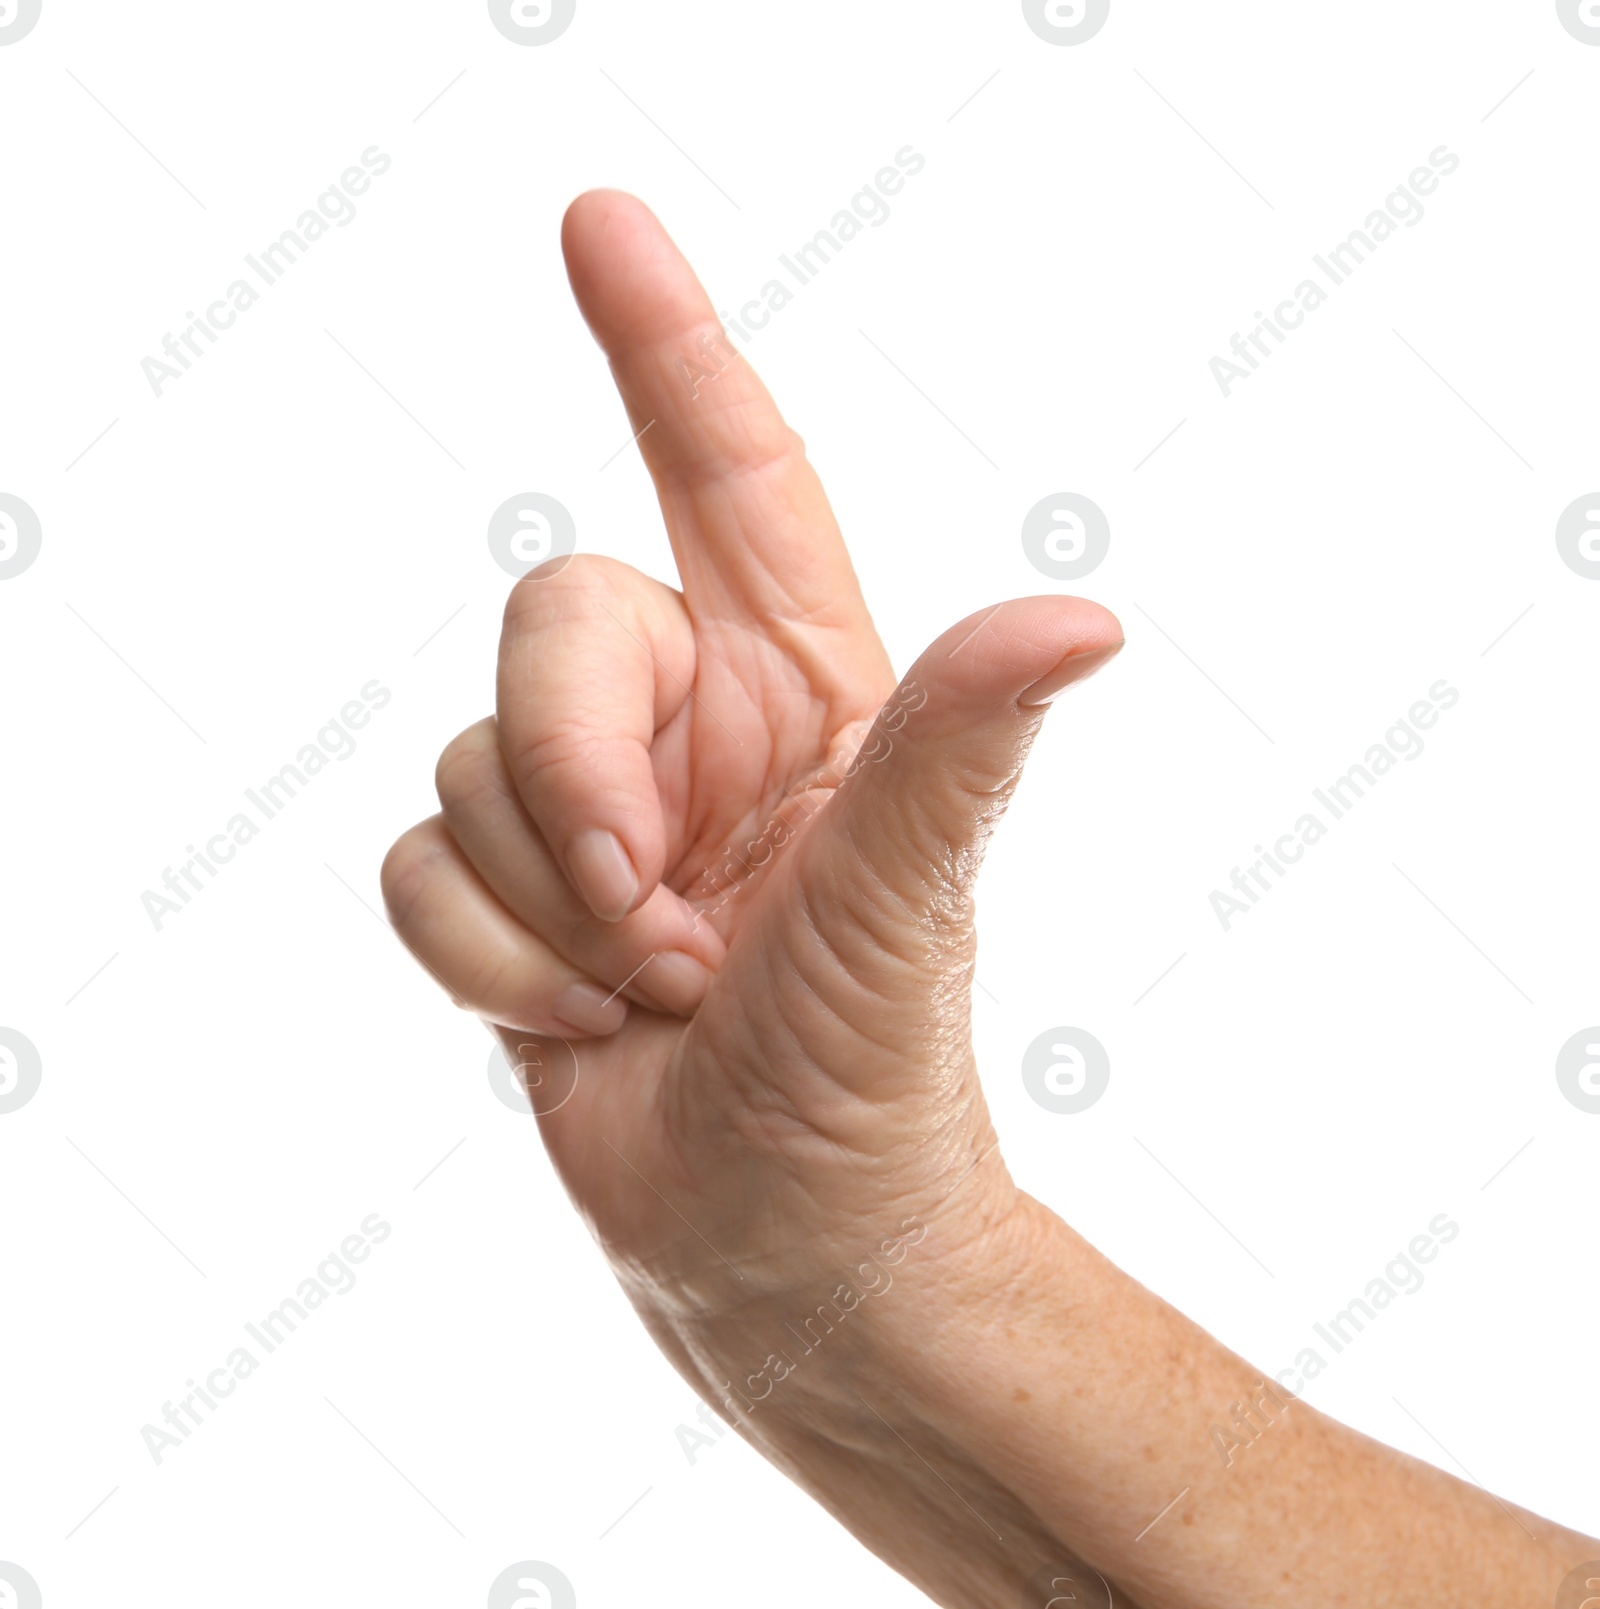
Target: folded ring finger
x,y
660,955
481,955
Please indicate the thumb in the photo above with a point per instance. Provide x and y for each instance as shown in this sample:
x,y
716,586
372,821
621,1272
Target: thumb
x,y
938,768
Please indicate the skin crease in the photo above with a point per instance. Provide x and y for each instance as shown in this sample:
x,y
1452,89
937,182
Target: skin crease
x,y
777,1132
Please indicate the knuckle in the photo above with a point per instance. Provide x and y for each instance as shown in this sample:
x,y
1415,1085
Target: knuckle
x,y
489,985
408,867
565,743
469,765
576,591
569,761
570,779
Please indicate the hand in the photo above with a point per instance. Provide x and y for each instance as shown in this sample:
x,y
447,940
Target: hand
x,y
712,851
707,841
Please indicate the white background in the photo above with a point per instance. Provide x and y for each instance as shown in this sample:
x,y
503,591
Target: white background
x,y
1366,1049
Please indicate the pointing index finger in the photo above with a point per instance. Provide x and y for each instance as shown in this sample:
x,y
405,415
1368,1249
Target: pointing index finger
x,y
749,521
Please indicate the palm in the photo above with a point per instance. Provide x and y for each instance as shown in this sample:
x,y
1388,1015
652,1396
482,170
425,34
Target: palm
x,y
723,767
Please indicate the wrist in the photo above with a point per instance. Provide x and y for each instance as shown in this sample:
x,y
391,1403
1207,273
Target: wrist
x,y
863,1396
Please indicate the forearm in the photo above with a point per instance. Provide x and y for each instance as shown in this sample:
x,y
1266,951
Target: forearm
x,y
1093,1403
1020,1412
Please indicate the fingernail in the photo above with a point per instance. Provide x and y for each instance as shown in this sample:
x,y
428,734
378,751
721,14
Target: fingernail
x,y
590,1009
677,980
1072,669
603,873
